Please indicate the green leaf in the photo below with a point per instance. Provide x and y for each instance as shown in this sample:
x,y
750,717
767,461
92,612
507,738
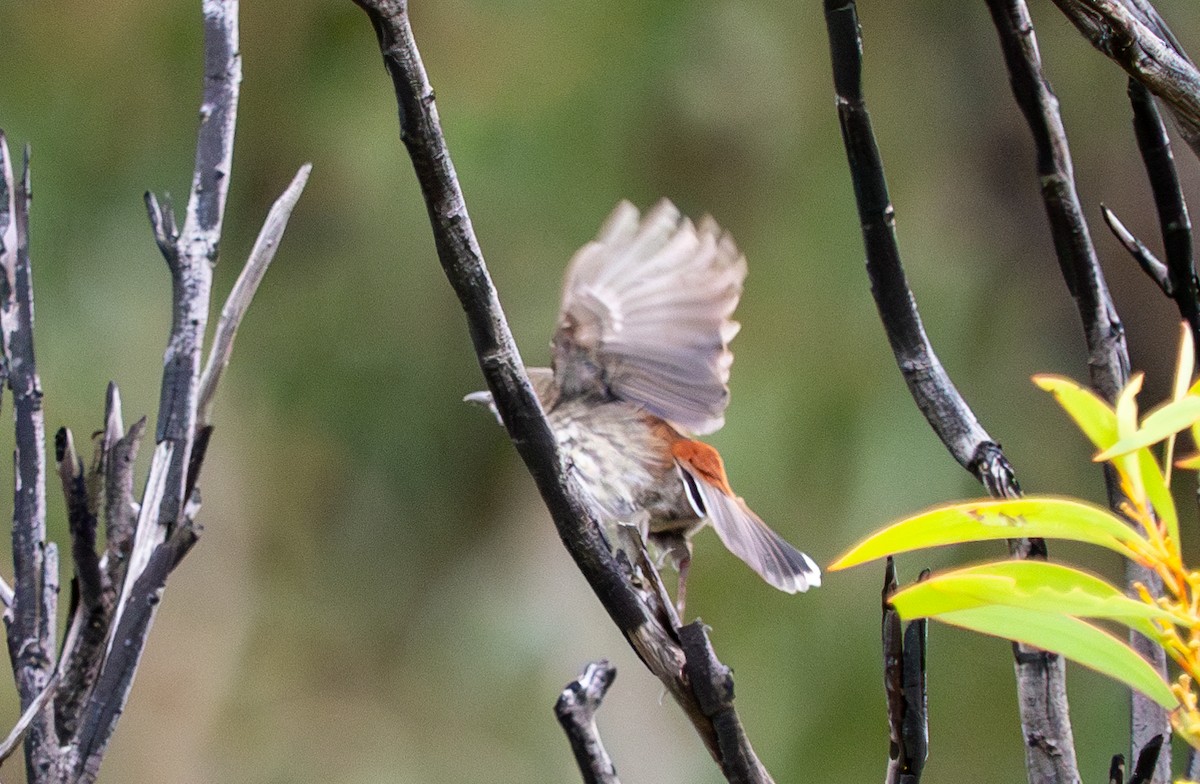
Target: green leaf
x,y
1158,493
1031,585
1095,418
1033,516
1185,367
1159,425
1077,640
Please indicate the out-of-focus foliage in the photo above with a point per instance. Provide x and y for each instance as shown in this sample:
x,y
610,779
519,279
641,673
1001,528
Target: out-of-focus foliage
x,y
379,595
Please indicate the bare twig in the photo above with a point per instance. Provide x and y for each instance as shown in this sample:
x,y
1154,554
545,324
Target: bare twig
x,y
14,737
1041,678
120,514
81,521
1147,761
576,711
31,630
1108,358
646,630
1133,36
243,292
904,685
1154,269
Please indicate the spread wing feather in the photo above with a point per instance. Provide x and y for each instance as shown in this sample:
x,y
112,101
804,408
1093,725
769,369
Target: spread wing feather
x,y
749,538
647,311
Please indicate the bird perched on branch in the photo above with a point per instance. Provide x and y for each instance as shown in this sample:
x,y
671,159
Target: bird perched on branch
x,y
640,364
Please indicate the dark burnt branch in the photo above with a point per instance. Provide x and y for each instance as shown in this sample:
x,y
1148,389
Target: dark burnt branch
x,y
1174,223
1041,677
712,683
904,685
119,511
458,250
1133,35
31,627
107,700
1148,758
81,520
1108,358
576,711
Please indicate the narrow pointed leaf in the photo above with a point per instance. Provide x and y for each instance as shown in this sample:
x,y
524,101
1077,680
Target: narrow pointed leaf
x,y
1159,425
1095,418
1185,366
1158,493
1031,585
1077,640
1044,517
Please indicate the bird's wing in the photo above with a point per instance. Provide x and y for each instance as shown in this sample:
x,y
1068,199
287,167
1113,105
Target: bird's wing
x,y
646,312
740,530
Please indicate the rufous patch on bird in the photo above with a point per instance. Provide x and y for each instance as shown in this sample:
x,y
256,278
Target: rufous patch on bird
x,y
705,460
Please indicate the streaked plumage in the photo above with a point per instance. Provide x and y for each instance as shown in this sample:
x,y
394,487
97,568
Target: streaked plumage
x,y
641,362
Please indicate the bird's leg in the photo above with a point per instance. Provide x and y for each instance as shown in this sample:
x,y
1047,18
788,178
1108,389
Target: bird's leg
x,y
681,595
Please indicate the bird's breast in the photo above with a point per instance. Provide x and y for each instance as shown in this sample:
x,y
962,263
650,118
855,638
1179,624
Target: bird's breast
x,y
622,459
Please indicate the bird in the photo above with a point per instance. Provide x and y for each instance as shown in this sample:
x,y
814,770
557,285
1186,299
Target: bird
x,y
640,367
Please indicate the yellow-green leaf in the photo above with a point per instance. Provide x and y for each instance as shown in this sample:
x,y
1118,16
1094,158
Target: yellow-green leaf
x,y
1095,418
1159,425
1185,366
1032,585
1077,640
1047,517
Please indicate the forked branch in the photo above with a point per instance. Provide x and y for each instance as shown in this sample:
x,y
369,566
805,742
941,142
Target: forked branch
x,y
649,631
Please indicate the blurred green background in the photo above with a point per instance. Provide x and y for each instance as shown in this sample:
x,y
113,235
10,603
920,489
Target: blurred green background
x,y
379,595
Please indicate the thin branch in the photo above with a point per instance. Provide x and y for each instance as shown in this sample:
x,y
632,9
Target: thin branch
x,y
1132,35
1041,677
194,251
904,685
1108,358
576,711
1174,223
120,511
31,630
17,734
1154,269
99,717
81,521
243,292
461,259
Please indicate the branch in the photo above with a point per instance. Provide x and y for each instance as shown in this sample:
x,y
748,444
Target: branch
x,y
1108,359
1154,269
1147,762
99,717
31,628
243,291
655,642
14,737
1174,224
904,685
576,711
1041,677
1131,33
